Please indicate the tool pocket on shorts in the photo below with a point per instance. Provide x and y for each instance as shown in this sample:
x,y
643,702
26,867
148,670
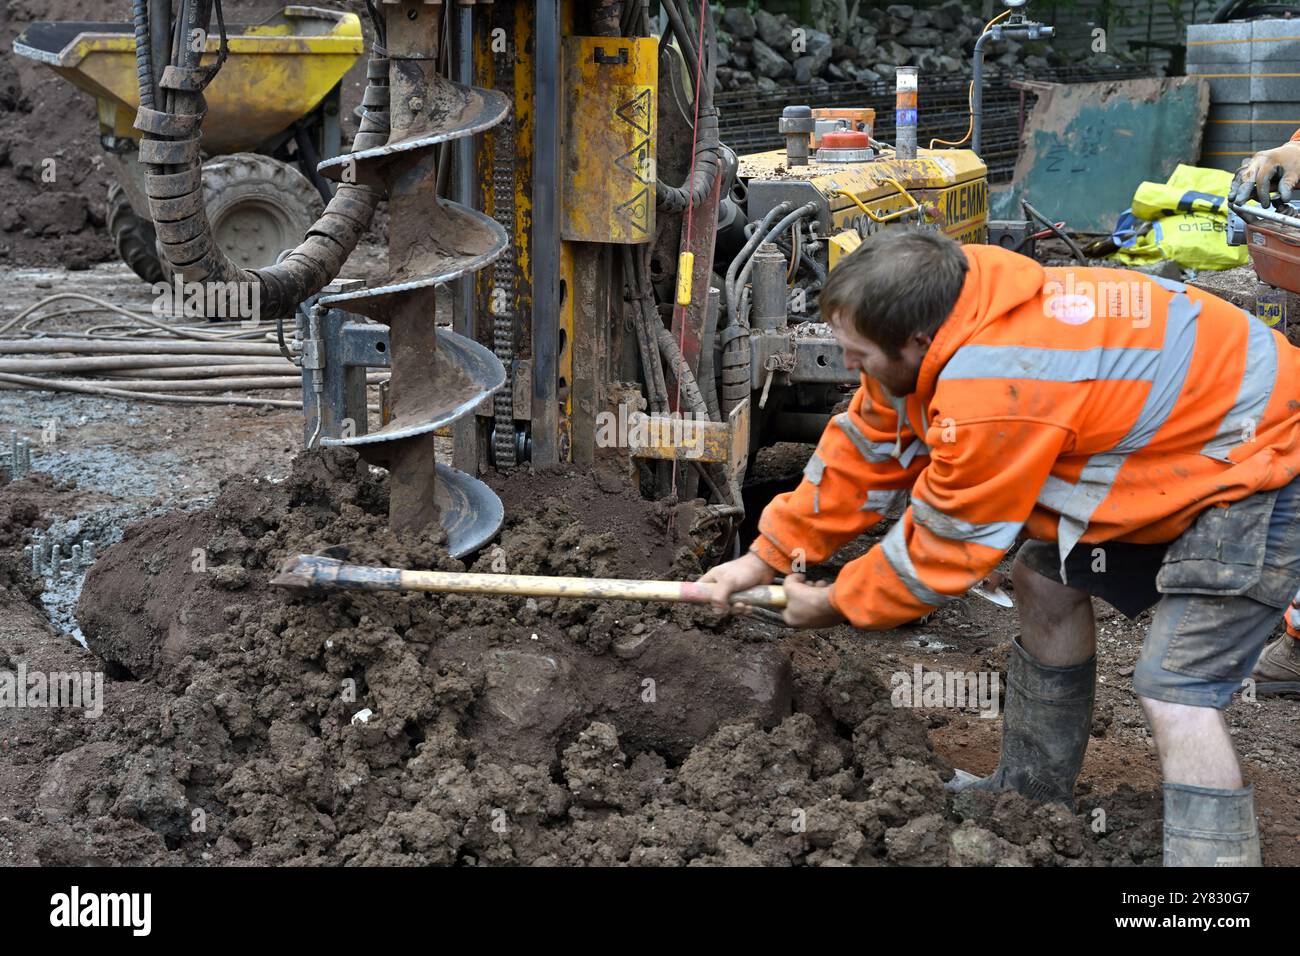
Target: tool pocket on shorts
x,y
1222,553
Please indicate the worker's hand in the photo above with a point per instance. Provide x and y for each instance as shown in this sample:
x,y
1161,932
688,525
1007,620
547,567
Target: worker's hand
x,y
809,605
747,571
1267,171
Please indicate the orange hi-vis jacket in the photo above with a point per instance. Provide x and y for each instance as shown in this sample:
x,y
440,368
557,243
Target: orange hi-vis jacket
x,y
1068,405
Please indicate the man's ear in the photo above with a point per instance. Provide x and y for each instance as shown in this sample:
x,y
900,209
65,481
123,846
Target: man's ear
x,y
922,340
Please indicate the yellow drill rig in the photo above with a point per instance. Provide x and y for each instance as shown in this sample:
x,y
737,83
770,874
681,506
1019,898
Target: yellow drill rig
x,y
622,286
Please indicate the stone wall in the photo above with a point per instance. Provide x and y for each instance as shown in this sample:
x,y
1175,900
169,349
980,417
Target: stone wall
x,y
765,51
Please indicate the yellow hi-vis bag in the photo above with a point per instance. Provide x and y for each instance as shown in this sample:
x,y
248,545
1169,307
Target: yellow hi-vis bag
x,y
1184,219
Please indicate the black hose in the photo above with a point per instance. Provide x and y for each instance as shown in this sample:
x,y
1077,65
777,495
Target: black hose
x,y
684,38
675,365
143,52
170,150
813,265
807,209
647,342
381,27
708,142
308,160
1074,246
748,248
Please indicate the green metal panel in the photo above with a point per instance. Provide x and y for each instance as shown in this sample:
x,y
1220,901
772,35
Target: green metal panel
x,y
1089,145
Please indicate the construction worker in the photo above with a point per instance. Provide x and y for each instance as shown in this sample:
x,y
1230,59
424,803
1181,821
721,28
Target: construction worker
x,y
1274,171
1140,435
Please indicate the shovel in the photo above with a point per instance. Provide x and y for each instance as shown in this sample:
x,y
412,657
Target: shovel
x,y
316,571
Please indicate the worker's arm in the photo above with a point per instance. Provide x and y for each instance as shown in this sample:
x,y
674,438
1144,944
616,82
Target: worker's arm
x,y
863,465
1269,170
967,509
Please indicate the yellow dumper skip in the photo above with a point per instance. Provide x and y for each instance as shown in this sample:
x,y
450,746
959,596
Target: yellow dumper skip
x,y
277,71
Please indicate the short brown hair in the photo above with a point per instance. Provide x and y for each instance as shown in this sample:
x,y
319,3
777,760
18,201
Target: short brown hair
x,y
900,282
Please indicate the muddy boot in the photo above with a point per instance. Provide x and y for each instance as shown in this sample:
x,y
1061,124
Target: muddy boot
x,y
1046,720
1206,827
1278,668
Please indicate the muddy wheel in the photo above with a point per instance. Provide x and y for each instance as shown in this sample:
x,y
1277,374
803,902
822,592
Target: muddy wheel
x,y
133,237
257,206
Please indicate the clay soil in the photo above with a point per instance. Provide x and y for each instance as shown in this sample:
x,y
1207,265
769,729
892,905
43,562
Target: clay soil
x,y
244,724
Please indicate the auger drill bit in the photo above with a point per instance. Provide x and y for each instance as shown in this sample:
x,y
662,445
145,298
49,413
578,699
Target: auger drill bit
x,y
437,375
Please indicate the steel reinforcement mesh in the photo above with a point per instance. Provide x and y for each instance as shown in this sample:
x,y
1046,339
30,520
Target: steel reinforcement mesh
x,y
749,118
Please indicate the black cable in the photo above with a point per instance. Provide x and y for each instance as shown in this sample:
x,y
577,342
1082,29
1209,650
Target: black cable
x,y
381,27
1074,246
813,265
747,250
684,38
807,209
708,144
308,160
143,52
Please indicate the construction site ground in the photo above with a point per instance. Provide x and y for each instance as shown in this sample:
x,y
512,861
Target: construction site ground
x,y
243,724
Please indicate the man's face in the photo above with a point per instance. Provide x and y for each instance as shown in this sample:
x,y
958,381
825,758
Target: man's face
x,y
898,375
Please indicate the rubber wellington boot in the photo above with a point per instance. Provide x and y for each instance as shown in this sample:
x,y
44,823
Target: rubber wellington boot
x,y
1207,827
1046,721
1278,668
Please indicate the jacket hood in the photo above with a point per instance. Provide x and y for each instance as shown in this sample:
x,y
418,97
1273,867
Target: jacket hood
x,y
998,282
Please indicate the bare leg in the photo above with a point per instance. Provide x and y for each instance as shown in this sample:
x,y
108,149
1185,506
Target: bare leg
x,y
1057,627
1194,745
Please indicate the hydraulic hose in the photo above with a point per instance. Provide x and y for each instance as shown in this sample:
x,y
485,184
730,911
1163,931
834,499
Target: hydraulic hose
x,y
170,150
143,51
748,248
708,143
807,209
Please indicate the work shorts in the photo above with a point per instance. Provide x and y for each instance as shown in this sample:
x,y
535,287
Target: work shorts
x,y
1219,589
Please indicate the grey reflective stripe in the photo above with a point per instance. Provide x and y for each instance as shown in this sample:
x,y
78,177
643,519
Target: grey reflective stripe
x,y
1099,472
1051,365
1094,485
1168,284
875,452
885,502
996,534
813,471
1253,396
1175,359
917,447
894,548
1055,493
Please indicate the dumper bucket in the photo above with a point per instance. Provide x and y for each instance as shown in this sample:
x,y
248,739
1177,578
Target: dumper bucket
x,y
278,71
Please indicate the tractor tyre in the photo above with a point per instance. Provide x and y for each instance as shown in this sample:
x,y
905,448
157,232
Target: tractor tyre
x,y
258,207
133,237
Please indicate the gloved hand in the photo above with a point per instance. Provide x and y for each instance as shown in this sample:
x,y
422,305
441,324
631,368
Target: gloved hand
x,y
1267,171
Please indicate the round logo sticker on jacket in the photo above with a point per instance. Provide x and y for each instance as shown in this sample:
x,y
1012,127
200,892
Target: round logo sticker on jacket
x,y
1070,308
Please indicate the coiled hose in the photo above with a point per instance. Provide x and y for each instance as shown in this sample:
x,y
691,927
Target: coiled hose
x,y
143,53
708,142
736,370
170,150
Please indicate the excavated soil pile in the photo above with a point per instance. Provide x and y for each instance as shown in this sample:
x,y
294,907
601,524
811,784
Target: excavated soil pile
x,y
243,724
